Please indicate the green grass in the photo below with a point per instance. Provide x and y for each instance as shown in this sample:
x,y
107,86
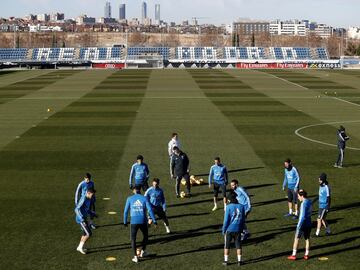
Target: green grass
x,y
246,117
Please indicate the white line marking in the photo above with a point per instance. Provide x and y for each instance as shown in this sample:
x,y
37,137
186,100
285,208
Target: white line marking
x,y
339,99
297,132
298,85
346,101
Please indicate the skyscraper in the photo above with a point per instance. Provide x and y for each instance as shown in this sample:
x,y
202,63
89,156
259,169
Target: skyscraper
x,y
143,11
122,12
157,14
107,10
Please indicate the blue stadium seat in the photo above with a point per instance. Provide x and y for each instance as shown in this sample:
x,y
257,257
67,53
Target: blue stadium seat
x,y
106,54
321,53
13,54
138,51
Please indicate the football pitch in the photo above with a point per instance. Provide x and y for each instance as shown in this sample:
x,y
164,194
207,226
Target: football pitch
x,y
57,125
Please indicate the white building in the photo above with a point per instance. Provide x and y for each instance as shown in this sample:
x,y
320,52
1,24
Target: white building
x,y
43,17
57,17
107,10
83,19
143,12
289,28
353,32
157,14
44,28
323,30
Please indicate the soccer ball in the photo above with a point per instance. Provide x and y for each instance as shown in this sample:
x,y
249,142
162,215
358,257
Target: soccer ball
x,y
138,252
183,182
182,194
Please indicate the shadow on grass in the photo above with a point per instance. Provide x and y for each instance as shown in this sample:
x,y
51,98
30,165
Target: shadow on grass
x,y
190,202
348,206
233,171
259,186
189,215
110,225
312,248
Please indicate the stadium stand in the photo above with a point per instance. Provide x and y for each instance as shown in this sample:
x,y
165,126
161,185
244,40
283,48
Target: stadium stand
x,y
143,51
105,54
290,53
165,54
199,53
53,54
321,53
13,54
244,53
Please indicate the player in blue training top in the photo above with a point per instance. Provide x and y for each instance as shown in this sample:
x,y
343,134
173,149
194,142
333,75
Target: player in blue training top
x,y
324,204
138,206
219,177
156,197
243,199
303,227
234,220
291,181
342,138
140,173
82,211
81,189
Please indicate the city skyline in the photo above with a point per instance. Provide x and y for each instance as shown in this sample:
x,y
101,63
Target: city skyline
x,y
214,11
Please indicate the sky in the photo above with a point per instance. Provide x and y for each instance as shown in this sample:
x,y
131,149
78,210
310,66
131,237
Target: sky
x,y
338,13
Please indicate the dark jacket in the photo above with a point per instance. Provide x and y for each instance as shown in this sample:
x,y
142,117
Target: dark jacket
x,y
342,138
179,164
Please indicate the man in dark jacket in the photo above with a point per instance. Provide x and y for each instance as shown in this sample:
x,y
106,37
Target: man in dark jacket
x,y
342,138
179,169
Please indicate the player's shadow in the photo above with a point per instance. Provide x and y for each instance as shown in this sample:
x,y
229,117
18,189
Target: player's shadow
x,y
354,229
233,171
109,248
350,165
313,248
190,202
259,220
259,186
110,225
348,206
269,202
251,241
206,230
189,215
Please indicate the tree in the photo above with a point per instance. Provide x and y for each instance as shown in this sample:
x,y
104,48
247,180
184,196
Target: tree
x,y
17,42
351,49
253,40
54,41
235,40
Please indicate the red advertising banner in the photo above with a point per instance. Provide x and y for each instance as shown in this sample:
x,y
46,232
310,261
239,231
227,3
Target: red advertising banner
x,y
271,65
109,65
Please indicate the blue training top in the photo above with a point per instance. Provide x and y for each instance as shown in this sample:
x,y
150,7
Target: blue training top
x,y
291,178
219,174
234,218
139,206
243,198
140,172
82,209
324,196
305,214
156,197
82,188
